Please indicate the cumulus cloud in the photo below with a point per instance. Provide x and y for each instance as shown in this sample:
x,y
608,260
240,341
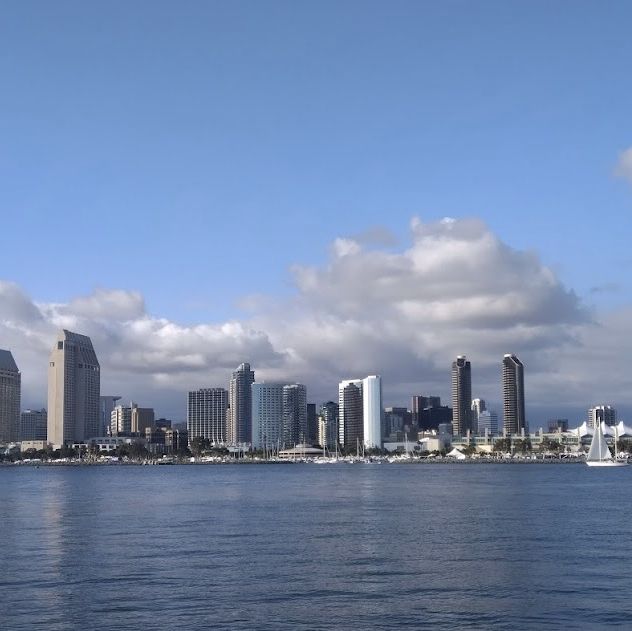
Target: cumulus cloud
x,y
457,288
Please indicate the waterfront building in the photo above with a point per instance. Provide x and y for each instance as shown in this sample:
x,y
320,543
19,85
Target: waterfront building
x,y
312,424
240,405
10,394
74,383
487,423
514,418
558,425
432,417
419,403
360,412
478,406
33,425
267,415
461,396
107,403
142,418
294,414
603,412
398,420
350,416
207,410
121,420
328,425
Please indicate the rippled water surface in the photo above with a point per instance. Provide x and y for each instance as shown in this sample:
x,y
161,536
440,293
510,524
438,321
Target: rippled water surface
x,y
315,547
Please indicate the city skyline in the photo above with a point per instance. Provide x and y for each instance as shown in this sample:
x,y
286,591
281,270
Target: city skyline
x,y
443,202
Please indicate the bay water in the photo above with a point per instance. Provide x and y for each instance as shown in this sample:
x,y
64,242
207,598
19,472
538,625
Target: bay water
x,y
299,546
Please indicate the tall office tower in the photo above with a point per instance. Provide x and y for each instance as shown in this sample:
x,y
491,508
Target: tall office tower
x,y
478,406
121,420
267,415
605,413
432,417
294,414
350,414
74,382
312,424
33,425
240,405
417,404
488,422
372,411
461,396
10,391
515,420
107,404
206,414
328,425
360,412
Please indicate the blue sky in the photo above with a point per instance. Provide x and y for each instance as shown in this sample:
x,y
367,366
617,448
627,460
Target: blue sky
x,y
195,151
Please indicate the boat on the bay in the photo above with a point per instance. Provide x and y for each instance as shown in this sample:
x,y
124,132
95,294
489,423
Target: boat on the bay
x,y
599,454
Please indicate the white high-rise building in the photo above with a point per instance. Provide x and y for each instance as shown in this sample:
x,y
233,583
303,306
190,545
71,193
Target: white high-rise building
x,y
74,384
605,413
10,391
360,412
478,406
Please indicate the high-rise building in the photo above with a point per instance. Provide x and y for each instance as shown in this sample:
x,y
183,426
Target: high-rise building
x,y
461,396
312,424
419,403
33,425
294,414
121,420
142,418
267,415
10,392
488,422
602,413
350,415
107,404
74,383
360,412
431,417
240,405
328,425
514,418
478,406
207,409
557,425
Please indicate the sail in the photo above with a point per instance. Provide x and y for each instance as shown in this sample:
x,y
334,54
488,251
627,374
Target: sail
x,y
598,448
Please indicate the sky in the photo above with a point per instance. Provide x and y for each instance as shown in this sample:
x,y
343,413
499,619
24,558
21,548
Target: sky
x,y
324,189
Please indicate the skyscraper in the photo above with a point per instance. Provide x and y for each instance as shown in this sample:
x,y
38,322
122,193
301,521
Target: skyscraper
x,y
74,382
312,424
488,422
514,420
294,414
360,412
10,391
206,414
461,396
350,418
328,425
267,415
240,402
478,406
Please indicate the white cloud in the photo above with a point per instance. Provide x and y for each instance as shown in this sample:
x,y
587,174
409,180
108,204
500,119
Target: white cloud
x,y
456,289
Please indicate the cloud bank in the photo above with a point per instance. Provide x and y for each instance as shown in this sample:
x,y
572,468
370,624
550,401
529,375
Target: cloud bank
x,y
455,289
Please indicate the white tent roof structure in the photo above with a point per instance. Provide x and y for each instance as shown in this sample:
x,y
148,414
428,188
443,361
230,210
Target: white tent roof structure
x,y
608,430
455,453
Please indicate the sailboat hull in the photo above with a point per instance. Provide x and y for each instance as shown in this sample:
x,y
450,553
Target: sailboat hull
x,y
608,463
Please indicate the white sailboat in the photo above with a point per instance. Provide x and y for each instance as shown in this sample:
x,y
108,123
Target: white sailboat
x,y
599,454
